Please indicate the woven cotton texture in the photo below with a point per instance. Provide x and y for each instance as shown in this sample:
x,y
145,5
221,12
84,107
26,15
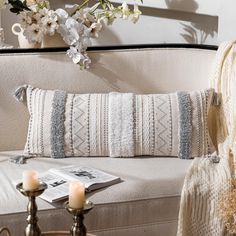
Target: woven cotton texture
x,y
117,124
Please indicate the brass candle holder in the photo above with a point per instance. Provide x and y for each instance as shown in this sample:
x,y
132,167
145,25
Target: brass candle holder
x,y
5,229
78,228
32,229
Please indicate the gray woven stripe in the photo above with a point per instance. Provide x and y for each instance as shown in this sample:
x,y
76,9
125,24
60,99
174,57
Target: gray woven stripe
x,y
185,126
57,124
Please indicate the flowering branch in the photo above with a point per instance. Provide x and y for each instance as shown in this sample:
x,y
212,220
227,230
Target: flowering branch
x,y
83,5
76,24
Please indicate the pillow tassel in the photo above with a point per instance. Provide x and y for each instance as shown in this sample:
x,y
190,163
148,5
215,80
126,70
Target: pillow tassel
x,y
20,159
214,158
19,93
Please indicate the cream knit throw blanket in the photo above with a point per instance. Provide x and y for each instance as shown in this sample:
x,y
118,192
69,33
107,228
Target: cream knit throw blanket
x,y
205,180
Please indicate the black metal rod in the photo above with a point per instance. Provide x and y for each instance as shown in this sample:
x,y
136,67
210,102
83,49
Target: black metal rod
x,y
111,47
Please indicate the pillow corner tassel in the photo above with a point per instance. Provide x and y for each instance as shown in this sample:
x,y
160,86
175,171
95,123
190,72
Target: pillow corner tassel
x,y
20,159
19,93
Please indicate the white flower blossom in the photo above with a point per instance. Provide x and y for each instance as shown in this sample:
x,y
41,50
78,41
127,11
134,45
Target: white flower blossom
x,y
125,11
95,28
49,22
34,33
62,15
84,16
102,20
86,61
88,19
79,57
41,13
74,54
71,31
86,38
136,14
25,18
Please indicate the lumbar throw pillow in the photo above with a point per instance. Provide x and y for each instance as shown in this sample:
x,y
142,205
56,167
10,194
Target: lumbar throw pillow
x,y
117,124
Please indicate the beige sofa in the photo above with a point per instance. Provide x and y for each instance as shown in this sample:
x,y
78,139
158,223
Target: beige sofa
x,y
147,201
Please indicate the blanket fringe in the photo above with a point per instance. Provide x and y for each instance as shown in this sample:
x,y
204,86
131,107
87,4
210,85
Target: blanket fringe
x,y
216,99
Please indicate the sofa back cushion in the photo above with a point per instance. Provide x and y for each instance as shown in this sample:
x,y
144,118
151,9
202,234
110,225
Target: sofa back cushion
x,y
140,71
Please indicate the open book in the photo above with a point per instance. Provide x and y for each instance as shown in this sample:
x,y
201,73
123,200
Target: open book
x,y
58,180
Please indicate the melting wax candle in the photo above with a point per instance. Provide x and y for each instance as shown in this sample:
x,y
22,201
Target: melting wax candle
x,y
76,195
30,180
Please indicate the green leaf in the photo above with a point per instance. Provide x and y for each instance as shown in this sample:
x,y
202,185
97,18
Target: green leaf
x,y
14,10
18,6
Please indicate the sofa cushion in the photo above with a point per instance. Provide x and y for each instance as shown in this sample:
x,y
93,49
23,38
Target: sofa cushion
x,y
148,196
117,124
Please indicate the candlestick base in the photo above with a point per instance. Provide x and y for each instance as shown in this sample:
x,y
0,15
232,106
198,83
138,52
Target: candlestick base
x,y
5,229
78,228
32,228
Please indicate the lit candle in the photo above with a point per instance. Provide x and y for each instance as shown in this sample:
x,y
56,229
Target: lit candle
x,y
76,195
30,180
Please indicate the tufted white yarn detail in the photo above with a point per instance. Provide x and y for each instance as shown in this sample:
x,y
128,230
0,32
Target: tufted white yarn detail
x,y
121,124
205,180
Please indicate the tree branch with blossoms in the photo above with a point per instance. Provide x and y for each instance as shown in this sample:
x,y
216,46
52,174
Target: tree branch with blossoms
x,y
76,24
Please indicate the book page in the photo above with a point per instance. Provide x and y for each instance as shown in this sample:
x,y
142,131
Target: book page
x,y
58,187
86,175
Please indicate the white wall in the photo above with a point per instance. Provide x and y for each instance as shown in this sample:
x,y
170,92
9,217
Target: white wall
x,y
227,23
163,21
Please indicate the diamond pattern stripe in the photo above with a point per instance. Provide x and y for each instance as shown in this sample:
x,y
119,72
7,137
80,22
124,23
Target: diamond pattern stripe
x,y
80,125
162,119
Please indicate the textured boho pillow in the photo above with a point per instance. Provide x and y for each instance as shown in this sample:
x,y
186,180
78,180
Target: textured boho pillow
x,y
117,124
